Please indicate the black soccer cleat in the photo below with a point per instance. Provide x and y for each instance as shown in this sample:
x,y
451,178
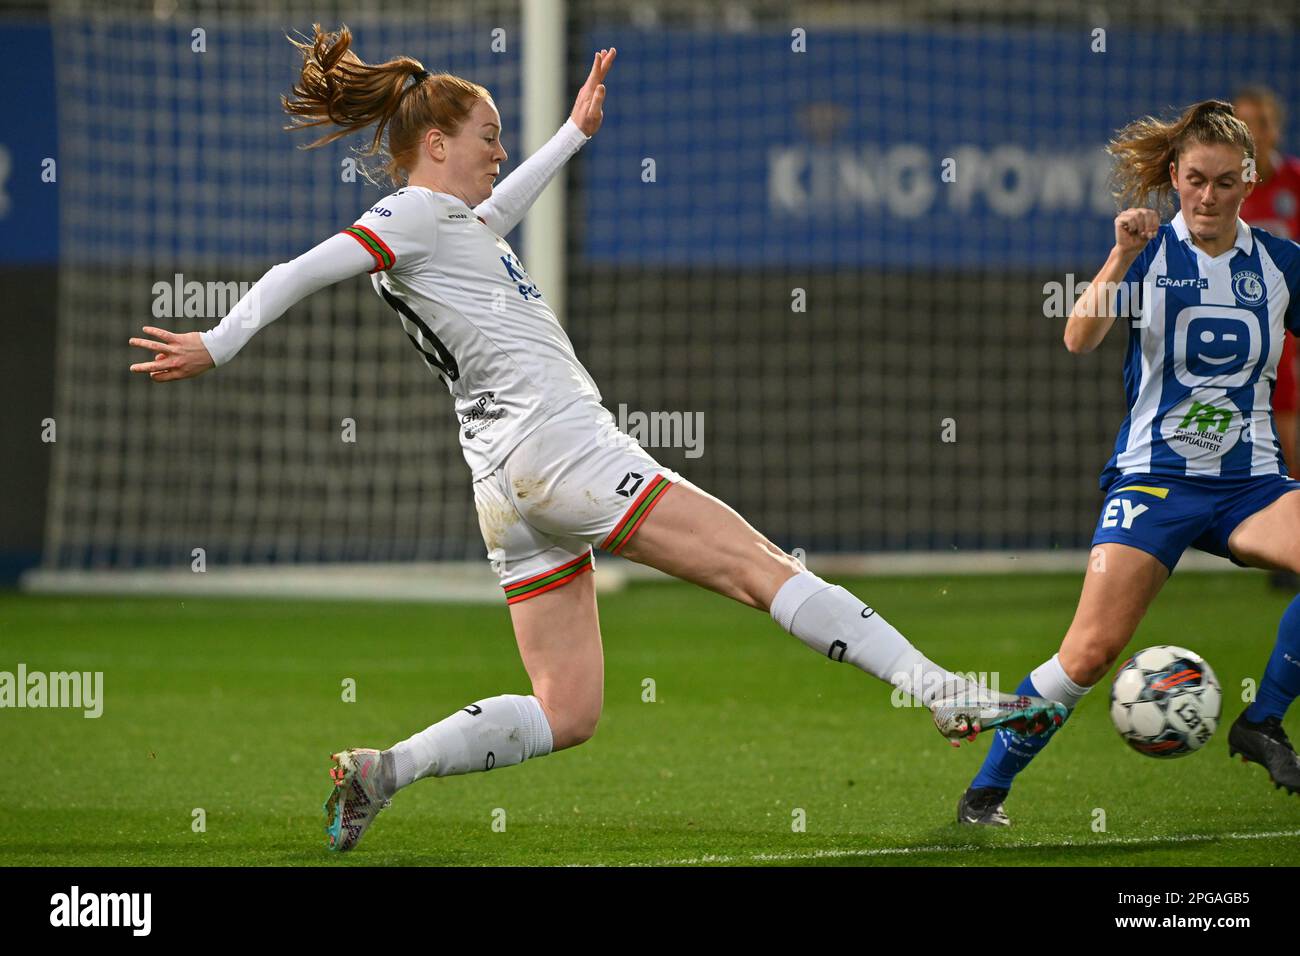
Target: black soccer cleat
x,y
1266,744
983,806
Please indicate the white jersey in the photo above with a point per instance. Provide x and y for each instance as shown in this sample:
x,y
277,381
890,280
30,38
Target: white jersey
x,y
479,322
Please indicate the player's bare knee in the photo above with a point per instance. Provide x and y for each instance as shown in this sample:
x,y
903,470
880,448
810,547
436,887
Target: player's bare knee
x,y
572,716
754,590
787,564
1087,662
584,728
573,729
1087,653
759,580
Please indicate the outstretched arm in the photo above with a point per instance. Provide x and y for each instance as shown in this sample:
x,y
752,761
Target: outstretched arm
x,y
187,354
515,195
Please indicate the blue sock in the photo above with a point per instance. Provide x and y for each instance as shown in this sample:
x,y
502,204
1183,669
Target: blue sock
x,y
1010,754
1281,683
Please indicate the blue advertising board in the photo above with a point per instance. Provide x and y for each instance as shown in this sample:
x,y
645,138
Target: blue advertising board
x,y
917,149
927,149
29,206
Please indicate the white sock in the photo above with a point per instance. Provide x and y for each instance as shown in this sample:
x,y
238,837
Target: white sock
x,y
497,732
837,625
1051,681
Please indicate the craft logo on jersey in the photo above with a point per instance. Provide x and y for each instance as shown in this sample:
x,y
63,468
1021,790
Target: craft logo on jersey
x,y
629,485
1202,426
1168,282
1248,287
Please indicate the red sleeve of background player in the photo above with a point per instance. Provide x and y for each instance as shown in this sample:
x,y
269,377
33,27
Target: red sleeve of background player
x,y
1290,175
1287,179
1284,394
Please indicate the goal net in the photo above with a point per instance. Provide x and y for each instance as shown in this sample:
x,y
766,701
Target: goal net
x,y
325,441
811,257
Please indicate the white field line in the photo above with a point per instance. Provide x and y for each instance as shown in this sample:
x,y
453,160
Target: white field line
x,y
965,847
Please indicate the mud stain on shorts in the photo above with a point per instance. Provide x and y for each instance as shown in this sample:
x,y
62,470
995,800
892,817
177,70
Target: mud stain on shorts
x,y
529,491
495,520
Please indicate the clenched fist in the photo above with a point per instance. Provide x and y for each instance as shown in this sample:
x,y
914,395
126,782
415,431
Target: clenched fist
x,y
1134,228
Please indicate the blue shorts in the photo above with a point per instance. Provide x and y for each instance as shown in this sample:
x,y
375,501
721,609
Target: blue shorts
x,y
1164,515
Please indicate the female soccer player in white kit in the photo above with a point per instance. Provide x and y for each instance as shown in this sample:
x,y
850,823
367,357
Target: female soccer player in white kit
x,y
552,474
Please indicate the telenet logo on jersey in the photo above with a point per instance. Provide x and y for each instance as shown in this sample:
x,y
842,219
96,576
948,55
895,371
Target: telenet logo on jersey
x,y
1220,346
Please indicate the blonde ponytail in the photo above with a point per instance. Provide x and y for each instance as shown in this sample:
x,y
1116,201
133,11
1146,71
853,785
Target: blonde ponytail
x,y
1144,148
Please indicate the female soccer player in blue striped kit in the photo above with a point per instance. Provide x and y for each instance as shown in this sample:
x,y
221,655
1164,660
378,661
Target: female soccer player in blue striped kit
x,y
1196,463
553,476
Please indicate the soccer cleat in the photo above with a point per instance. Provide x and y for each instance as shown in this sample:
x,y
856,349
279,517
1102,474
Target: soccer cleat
x,y
356,799
1266,744
983,806
975,710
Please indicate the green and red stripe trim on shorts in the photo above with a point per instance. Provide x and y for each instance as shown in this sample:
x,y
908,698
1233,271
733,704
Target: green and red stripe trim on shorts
x,y
634,515
547,580
384,258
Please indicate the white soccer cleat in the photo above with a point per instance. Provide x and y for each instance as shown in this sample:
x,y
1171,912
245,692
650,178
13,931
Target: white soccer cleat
x,y
976,709
357,798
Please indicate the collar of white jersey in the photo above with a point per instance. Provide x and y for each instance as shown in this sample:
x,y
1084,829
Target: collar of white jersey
x,y
444,195
1245,241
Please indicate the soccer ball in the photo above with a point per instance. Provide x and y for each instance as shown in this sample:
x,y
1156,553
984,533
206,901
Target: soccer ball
x,y
1165,701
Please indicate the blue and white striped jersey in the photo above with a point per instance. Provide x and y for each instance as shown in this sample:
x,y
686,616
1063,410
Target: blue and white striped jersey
x,y
1202,356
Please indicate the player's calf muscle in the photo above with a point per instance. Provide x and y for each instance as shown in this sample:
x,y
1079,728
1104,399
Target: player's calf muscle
x,y
558,634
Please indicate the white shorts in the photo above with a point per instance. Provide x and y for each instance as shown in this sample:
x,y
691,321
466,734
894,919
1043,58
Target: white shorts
x,y
575,482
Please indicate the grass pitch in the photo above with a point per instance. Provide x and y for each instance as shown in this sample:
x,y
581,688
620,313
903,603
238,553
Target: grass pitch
x,y
233,707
